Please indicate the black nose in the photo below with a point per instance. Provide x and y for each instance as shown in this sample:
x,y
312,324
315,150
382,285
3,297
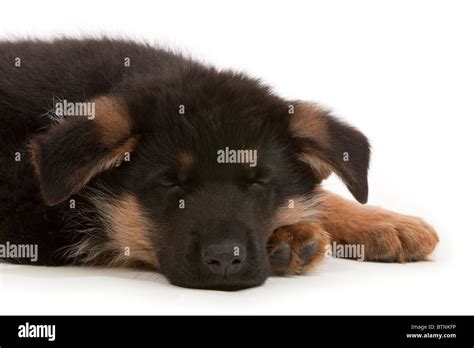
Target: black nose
x,y
224,258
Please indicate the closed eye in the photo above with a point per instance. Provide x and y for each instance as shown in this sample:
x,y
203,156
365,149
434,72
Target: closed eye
x,y
172,182
259,177
169,184
258,181
166,181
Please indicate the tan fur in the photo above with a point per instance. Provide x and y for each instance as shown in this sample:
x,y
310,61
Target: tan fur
x,y
185,160
315,161
297,210
127,228
309,122
113,120
385,235
32,148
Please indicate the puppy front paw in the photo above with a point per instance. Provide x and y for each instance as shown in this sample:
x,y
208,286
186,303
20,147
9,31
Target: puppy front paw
x,y
296,249
400,238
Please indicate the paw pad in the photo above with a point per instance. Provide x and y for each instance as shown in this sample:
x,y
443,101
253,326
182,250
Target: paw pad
x,y
282,256
307,252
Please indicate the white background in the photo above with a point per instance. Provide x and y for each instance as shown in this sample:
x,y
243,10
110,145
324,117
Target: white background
x,y
401,71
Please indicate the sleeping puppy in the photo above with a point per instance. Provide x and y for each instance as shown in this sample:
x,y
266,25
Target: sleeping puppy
x,y
120,154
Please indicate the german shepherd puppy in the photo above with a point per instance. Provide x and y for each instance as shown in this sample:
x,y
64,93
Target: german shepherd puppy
x,y
115,153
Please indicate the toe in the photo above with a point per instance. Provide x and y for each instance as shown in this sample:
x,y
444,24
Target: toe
x,y
307,252
282,256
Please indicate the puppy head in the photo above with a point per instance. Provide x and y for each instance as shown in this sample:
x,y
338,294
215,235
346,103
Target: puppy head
x,y
209,167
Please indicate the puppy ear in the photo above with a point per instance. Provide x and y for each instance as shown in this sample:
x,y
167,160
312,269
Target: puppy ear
x,y
72,152
328,144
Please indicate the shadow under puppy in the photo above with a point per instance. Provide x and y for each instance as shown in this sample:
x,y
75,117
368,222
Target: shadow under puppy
x,y
149,159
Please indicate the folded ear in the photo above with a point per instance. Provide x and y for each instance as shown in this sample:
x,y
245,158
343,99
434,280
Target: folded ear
x,y
328,144
73,151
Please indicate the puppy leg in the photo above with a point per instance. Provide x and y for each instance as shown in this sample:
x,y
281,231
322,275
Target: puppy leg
x,y
296,248
386,236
